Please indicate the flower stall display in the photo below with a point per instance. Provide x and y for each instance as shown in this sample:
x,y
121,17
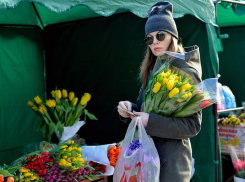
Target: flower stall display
x,y
231,120
61,114
64,163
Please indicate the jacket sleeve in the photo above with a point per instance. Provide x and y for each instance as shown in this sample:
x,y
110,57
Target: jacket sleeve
x,y
174,128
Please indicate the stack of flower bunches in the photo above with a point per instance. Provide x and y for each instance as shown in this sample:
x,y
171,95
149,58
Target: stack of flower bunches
x,y
69,156
27,175
168,92
38,164
56,173
62,110
113,154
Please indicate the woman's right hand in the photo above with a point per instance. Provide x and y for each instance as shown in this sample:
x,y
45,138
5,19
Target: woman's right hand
x,y
125,105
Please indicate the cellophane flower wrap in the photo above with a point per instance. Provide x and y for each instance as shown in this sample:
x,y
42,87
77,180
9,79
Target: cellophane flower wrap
x,y
172,92
238,161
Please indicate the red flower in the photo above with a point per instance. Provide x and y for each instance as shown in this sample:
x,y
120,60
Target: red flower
x,y
29,158
102,170
204,104
102,167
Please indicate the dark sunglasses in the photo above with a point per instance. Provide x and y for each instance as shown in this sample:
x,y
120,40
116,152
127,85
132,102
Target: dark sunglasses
x,y
160,36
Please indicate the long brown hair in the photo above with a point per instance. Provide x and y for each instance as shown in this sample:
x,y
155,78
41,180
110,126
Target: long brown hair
x,y
150,59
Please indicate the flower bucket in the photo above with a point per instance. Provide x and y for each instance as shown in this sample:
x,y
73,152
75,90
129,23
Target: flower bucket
x,y
69,131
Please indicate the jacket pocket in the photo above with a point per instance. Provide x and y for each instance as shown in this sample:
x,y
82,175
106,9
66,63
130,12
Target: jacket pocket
x,y
162,161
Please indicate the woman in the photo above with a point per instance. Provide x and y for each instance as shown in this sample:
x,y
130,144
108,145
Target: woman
x,y
170,135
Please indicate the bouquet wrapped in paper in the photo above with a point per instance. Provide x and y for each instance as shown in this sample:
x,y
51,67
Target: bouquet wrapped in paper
x,y
61,114
238,160
172,92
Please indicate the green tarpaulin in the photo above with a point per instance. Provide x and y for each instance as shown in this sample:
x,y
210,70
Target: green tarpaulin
x,y
96,55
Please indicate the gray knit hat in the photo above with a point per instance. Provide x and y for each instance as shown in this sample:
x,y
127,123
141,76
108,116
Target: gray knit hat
x,y
160,19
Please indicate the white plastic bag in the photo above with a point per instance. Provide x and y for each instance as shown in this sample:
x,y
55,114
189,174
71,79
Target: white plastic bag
x,y
97,153
144,163
69,131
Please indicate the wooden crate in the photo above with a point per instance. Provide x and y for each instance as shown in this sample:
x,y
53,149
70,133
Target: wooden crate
x,y
102,179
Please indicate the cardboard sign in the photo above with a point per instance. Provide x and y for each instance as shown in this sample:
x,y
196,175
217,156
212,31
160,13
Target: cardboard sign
x,y
232,135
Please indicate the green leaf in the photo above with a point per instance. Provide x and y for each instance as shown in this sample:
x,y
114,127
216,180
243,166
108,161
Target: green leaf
x,y
5,173
74,154
39,124
60,128
60,107
52,128
43,130
91,116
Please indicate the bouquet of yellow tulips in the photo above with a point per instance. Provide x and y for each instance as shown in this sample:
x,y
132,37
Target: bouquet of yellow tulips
x,y
61,111
170,93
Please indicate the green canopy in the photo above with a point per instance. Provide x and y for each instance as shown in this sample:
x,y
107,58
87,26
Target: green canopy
x,y
43,43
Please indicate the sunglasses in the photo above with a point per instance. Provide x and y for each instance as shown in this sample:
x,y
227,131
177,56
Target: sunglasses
x,y
160,36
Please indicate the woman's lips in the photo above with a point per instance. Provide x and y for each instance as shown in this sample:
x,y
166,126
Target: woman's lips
x,y
157,48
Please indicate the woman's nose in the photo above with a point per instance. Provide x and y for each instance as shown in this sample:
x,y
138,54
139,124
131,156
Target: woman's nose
x,y
155,40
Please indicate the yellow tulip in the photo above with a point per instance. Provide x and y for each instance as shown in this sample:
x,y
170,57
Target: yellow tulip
x,y
186,87
86,97
165,81
53,93
170,84
64,93
58,93
169,71
185,96
173,92
63,146
179,100
37,100
35,108
74,102
30,103
71,96
156,87
42,108
49,103
53,102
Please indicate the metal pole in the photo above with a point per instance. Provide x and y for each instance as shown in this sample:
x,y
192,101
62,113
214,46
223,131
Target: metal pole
x,y
234,2
216,142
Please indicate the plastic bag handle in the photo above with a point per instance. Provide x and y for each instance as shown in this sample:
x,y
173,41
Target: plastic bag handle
x,y
140,125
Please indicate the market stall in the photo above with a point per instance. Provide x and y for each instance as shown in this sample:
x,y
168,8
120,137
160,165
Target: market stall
x,y
64,49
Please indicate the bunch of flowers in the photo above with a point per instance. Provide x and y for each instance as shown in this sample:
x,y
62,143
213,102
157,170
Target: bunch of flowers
x,y
113,154
69,156
62,110
231,120
242,117
98,168
170,93
38,164
56,173
27,175
10,179
133,146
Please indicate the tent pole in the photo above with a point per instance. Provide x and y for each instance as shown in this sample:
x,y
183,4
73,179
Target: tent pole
x,y
38,14
234,2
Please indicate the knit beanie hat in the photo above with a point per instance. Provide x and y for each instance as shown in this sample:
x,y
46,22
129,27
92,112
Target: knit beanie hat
x,y
160,19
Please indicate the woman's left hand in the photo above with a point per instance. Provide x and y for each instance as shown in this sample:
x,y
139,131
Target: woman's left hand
x,y
143,116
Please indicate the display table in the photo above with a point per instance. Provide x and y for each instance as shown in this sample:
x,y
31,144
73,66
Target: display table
x,y
102,179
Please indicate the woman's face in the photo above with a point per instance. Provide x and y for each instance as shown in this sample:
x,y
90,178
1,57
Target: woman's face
x,y
157,47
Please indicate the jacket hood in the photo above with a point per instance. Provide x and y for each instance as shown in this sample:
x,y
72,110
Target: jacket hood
x,y
192,58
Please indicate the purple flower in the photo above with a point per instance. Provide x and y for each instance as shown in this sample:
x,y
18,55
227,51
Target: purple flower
x,y
135,144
